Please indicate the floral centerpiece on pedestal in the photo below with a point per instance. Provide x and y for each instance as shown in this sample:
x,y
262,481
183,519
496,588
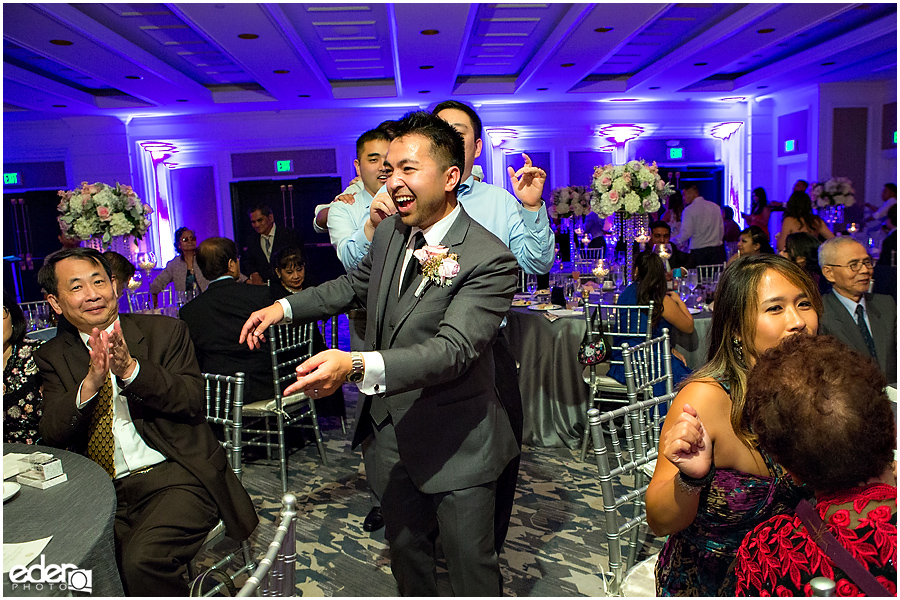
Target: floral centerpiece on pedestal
x,y
836,191
630,192
571,201
104,212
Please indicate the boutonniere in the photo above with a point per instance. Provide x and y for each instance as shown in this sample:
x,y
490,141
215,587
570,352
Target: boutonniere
x,y
439,266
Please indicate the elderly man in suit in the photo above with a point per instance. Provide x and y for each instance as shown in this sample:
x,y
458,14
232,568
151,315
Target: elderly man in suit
x,y
865,322
125,391
216,316
441,436
266,240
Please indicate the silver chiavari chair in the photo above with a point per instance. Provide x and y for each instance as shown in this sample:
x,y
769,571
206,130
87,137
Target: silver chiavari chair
x,y
709,273
275,574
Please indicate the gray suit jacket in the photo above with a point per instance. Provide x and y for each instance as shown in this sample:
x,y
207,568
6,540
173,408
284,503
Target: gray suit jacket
x,y
882,311
452,432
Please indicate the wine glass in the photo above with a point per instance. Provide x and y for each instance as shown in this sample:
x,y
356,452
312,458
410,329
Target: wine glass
x,y
530,284
146,261
692,280
135,282
619,275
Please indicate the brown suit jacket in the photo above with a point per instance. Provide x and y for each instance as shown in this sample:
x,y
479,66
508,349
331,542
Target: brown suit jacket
x,y
166,402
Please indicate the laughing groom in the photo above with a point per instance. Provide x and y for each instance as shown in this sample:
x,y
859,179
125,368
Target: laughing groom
x,y
441,437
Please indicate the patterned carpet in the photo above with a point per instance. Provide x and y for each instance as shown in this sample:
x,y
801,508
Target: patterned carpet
x,y
554,547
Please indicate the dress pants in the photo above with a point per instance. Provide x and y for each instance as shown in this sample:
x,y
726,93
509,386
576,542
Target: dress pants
x,y
507,382
162,517
711,255
463,518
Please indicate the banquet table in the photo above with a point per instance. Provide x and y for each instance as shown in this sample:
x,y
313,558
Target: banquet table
x,y
78,513
555,396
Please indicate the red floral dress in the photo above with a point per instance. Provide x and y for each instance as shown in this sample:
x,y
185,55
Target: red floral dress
x,y
779,558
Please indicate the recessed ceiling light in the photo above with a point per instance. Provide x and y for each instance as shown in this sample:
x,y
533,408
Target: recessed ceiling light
x,y
59,106
133,77
766,30
181,100
429,32
248,36
423,67
603,29
281,71
827,64
61,42
303,95
567,65
424,91
623,99
700,64
761,87
655,87
542,89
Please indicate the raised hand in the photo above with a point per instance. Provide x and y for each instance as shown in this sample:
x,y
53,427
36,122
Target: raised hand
x,y
121,363
382,207
687,444
528,183
322,374
255,328
99,363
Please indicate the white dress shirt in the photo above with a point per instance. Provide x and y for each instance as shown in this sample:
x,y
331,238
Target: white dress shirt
x,y
262,242
701,223
132,452
850,305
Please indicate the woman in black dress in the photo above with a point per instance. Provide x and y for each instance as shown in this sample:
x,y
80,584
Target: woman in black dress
x,y
21,379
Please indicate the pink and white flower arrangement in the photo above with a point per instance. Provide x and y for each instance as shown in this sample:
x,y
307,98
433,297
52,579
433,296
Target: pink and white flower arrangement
x,y
571,201
439,266
99,210
633,188
835,191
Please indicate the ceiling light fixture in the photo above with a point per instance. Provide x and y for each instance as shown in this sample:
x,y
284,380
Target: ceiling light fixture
x,y
133,77
621,132
542,89
566,65
498,135
303,95
60,106
766,30
723,131
181,100
281,71
424,67
248,36
761,87
623,100
701,64
654,87
827,64
424,91
603,29
429,32
61,42
732,99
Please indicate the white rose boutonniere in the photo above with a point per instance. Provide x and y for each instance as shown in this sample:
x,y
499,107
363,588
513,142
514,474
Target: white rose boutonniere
x,y
439,266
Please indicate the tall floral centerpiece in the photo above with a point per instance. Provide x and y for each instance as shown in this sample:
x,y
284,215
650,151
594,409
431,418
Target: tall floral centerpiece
x,y
568,203
630,192
102,212
832,197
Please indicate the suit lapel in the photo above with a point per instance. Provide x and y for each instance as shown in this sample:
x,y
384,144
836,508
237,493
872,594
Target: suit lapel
x,y
76,356
879,335
388,276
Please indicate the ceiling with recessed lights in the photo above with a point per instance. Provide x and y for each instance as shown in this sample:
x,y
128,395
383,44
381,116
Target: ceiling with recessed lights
x,y
126,59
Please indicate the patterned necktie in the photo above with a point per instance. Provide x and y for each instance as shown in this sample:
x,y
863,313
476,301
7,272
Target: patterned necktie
x,y
101,444
268,249
412,267
864,330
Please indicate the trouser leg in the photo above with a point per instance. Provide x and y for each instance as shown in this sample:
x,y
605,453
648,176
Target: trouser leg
x,y
507,382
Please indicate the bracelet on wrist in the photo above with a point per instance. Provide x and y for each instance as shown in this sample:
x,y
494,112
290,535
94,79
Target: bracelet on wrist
x,y
693,485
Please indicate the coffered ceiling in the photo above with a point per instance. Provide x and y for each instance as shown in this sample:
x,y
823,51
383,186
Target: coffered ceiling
x,y
164,59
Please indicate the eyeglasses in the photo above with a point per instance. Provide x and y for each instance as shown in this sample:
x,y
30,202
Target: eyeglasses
x,y
856,265
189,239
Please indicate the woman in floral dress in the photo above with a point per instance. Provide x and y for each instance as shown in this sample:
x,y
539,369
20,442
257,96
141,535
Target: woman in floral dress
x,y
792,408
21,379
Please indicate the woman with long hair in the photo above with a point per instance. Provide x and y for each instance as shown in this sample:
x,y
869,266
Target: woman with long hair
x,y
672,216
712,484
803,248
759,210
182,271
21,378
753,240
668,312
798,216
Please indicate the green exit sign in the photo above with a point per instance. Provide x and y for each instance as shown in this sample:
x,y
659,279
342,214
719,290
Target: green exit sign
x,y
11,179
676,152
895,137
284,166
789,146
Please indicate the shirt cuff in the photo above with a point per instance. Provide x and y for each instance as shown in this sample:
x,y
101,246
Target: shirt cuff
x,y
286,307
373,379
78,403
137,369
319,208
536,219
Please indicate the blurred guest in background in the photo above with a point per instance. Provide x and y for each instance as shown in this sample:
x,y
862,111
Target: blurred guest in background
x,y
182,271
804,391
660,233
803,249
865,322
759,210
888,254
752,240
798,216
21,379
732,229
674,210
801,185
701,228
266,239
712,483
122,269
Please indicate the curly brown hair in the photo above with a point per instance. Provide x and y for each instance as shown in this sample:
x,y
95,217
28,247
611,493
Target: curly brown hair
x,y
809,389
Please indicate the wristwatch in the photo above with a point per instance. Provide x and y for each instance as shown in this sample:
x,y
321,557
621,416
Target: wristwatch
x,y
358,369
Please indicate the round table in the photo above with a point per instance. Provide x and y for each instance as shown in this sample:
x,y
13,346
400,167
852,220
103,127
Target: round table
x,y
78,513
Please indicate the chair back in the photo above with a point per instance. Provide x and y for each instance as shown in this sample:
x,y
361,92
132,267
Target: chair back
x,y
591,254
275,574
709,273
143,301
224,404
623,482
289,345
620,322
647,364
38,315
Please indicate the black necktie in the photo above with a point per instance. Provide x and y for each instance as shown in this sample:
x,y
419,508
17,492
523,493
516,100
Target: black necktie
x,y
861,323
412,267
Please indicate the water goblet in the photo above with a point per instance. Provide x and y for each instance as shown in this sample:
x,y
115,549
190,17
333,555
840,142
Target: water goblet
x,y
531,284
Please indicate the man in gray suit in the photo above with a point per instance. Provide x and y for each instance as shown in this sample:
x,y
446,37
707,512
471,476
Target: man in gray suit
x,y
440,435
865,322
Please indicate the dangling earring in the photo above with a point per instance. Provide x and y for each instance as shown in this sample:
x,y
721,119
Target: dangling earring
x,y
738,348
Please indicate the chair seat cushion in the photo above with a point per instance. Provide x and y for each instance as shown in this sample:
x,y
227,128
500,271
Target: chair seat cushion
x,y
261,408
640,581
